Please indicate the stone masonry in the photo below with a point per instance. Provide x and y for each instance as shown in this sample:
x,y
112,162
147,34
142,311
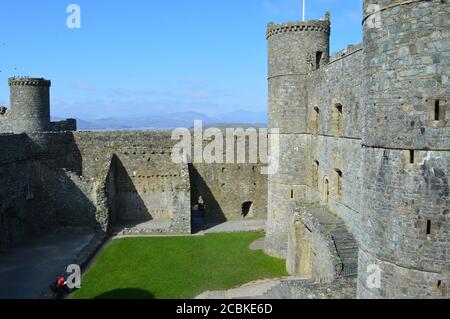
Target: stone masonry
x,y
365,137
363,184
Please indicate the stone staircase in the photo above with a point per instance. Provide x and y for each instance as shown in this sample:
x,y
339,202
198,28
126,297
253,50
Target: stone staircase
x,y
347,249
344,242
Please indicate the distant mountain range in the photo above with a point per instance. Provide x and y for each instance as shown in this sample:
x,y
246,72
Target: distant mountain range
x,y
170,121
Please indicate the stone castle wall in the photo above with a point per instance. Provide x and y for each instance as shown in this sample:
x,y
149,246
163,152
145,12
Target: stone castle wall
x,y
406,149
295,49
375,151
91,181
337,148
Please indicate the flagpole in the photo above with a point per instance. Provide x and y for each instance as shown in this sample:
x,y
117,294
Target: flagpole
x,y
304,7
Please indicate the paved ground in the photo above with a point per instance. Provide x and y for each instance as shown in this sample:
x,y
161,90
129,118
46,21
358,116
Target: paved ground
x,y
287,288
149,227
257,244
155,227
28,269
250,290
237,226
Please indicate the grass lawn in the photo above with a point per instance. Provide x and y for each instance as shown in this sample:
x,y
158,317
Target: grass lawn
x,y
176,267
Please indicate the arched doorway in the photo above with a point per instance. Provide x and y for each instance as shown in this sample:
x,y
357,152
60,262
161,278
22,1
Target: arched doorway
x,y
326,190
246,209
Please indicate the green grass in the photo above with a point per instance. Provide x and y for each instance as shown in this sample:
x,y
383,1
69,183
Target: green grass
x,y
176,267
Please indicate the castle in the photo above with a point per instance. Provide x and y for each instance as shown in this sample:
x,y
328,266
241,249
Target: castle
x,y
365,158
363,183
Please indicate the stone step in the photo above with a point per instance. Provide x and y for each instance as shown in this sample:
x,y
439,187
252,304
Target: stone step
x,y
343,237
353,249
348,258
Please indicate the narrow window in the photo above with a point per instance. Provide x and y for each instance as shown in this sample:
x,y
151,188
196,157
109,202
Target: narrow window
x,y
337,119
318,59
292,194
338,182
315,120
428,227
411,157
437,110
315,174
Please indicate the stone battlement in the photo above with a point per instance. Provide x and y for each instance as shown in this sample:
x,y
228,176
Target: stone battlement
x,y
29,81
312,26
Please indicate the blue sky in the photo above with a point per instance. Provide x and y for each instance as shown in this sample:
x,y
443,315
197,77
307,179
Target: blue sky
x,y
143,57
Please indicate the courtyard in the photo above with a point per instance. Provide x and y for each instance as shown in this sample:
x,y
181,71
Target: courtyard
x,y
177,267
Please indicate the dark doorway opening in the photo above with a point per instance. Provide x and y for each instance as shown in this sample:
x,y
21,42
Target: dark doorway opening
x,y
319,55
246,208
199,212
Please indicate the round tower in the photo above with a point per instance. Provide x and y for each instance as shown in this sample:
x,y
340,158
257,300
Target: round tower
x,y
295,50
405,239
30,104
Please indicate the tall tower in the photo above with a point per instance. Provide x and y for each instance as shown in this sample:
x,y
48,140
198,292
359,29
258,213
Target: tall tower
x,y
30,104
295,50
406,150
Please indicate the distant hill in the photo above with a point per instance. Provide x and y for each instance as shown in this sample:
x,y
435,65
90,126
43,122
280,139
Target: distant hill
x,y
171,121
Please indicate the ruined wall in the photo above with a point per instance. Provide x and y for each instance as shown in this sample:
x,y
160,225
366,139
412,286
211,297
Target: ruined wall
x,y
14,187
40,190
225,188
147,184
150,186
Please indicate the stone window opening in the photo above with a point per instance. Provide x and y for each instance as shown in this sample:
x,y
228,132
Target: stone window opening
x,y
319,55
337,119
315,120
412,156
315,174
437,110
338,183
428,228
246,209
326,190
443,287
292,194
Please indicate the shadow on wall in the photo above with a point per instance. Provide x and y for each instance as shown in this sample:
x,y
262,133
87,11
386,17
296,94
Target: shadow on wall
x,y
59,197
9,228
199,188
63,200
129,205
41,193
